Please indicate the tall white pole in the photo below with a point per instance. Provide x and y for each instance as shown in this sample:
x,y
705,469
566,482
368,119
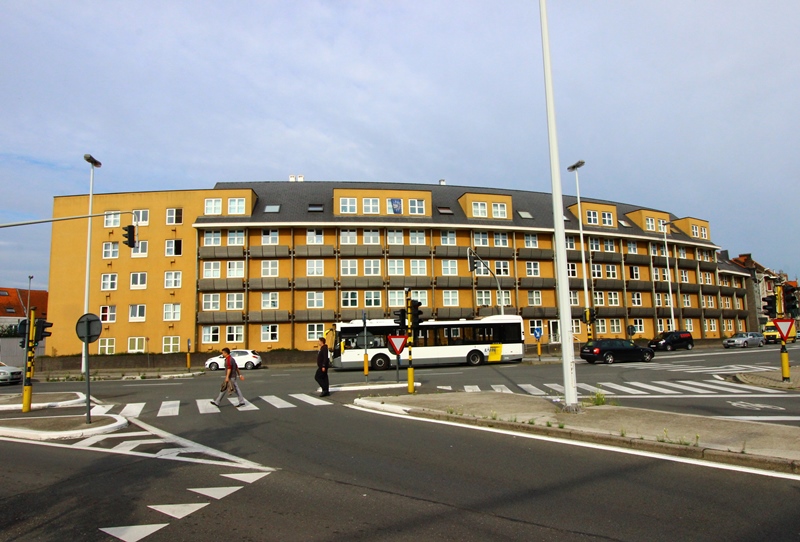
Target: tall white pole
x,y
559,237
93,163
669,279
580,233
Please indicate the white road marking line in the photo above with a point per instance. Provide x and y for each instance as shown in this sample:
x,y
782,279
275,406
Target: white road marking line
x,y
711,386
558,387
178,511
129,445
310,400
215,492
449,388
204,406
749,387
680,386
619,387
472,389
501,388
590,389
533,390
133,533
132,410
652,388
169,408
277,402
247,404
99,410
248,478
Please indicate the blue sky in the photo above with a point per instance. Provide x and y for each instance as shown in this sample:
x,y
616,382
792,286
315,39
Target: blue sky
x,y
685,106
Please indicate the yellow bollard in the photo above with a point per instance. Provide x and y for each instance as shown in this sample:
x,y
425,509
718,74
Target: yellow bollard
x,y
188,361
411,380
784,362
366,367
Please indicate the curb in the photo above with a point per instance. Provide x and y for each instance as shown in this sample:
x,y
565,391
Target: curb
x,y
31,434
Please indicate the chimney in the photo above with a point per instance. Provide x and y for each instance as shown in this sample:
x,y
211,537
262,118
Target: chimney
x,y
300,178
291,178
441,182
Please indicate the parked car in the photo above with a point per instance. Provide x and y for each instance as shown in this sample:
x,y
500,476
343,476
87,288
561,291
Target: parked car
x,y
611,350
245,359
671,340
10,375
745,339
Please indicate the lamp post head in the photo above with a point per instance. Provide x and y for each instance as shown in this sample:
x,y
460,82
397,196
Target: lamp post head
x,y
89,158
576,165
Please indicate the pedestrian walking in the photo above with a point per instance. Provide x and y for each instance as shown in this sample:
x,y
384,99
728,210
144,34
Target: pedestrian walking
x,y
232,376
323,363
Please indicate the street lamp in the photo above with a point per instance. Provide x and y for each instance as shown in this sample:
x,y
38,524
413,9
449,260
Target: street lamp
x,y
95,164
669,277
574,167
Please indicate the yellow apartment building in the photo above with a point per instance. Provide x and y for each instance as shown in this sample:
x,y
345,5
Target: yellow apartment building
x,y
273,265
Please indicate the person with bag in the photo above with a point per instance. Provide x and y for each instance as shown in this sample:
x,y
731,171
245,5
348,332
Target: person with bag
x,y
323,363
232,376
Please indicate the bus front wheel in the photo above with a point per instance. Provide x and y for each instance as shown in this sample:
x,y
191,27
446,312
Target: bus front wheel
x,y
380,362
474,358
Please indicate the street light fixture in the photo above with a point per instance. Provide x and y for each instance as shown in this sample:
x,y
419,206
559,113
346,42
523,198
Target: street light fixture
x,y
669,277
574,167
95,164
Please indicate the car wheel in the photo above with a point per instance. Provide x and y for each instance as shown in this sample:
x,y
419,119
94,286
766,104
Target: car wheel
x,y
745,344
213,366
689,346
608,358
474,358
590,361
380,362
668,348
760,344
725,346
249,365
647,357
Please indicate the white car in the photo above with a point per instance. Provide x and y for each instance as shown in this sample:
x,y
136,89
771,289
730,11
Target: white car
x,y
245,359
10,375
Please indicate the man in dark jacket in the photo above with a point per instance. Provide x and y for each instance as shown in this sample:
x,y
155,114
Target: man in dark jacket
x,y
322,367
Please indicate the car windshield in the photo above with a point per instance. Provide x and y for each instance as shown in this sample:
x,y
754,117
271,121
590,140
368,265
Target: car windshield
x,y
740,335
664,335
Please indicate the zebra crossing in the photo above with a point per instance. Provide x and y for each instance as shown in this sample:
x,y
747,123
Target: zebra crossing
x,y
656,388
205,406
697,369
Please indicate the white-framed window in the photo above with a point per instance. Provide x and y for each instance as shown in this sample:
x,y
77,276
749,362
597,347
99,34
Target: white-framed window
x,y
371,206
654,249
213,206
450,298
710,302
210,334
482,269
708,277
136,345
572,270
532,269
372,237
638,324
348,237
110,250
421,296
372,268
171,344
501,268
172,312
235,238
611,271
419,268
140,250
269,237
211,270
448,237
662,225
608,218
395,237
394,206
315,300
613,299
632,247
106,347
108,281
347,206
349,267
505,298
569,240
269,268
236,206
573,298
695,231
234,334
591,217
594,244
416,237
533,325
269,300
480,238
531,240
416,206
212,238
634,272
397,268
234,301
235,269
175,216
599,299
137,312
111,219
173,279
449,267
597,271
483,298
499,210
650,223
479,209
682,252
636,299
210,302
658,300
314,237
138,281
315,331
737,302
397,298
600,326
173,247
576,326
315,268
704,235
615,325
108,313
349,299
373,298
609,245
687,300
534,298
500,239
269,333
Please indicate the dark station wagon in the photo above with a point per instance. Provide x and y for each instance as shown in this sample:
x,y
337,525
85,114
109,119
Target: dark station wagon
x,y
611,350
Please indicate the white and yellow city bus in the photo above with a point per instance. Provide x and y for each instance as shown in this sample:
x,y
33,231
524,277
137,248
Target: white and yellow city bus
x,y
438,342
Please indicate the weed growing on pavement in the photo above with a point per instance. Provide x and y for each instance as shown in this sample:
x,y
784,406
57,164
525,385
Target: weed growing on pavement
x,y
599,398
622,431
697,440
549,424
665,438
493,415
531,422
561,425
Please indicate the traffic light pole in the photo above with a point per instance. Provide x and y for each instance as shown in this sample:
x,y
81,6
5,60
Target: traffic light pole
x,y
27,388
784,353
410,371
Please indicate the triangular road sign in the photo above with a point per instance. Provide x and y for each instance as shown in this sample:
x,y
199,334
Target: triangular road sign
x,y
397,343
784,326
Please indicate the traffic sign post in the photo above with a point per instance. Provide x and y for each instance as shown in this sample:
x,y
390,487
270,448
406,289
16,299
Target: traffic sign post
x,y
784,326
537,334
89,328
397,344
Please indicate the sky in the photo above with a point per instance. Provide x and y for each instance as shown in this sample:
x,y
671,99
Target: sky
x,y
686,106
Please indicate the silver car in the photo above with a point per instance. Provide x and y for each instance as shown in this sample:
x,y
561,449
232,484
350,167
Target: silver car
x,y
743,340
10,375
245,359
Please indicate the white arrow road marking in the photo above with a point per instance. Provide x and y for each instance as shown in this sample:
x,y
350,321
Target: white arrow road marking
x,y
133,533
248,478
178,511
216,492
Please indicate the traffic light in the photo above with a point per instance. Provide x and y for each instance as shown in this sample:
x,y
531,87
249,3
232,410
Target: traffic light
x,y
473,261
416,313
401,319
790,304
770,305
41,330
22,331
129,234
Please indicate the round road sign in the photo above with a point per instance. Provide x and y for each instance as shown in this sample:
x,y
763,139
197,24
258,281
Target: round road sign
x,y
89,328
